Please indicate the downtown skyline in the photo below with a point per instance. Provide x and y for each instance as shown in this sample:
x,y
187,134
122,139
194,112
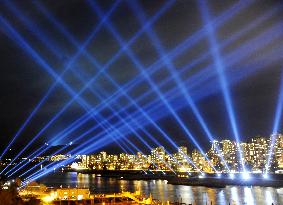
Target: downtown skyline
x,y
255,152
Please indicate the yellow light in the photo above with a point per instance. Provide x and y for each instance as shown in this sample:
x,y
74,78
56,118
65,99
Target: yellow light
x,y
47,199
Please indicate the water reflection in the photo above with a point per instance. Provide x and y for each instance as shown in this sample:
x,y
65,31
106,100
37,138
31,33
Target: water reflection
x,y
234,195
211,193
269,196
221,197
249,198
162,191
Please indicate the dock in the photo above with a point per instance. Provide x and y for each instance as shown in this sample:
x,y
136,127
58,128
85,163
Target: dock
x,y
82,196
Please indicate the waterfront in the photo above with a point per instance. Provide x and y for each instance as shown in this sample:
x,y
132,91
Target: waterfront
x,y
162,191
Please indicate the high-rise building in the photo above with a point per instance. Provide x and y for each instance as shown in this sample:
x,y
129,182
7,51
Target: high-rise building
x,y
182,155
158,155
215,145
278,151
254,152
259,147
200,161
215,156
245,151
103,156
229,149
278,146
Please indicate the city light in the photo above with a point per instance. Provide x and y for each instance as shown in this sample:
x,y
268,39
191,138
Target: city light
x,y
83,165
202,175
49,69
172,69
48,199
277,119
232,176
232,10
265,176
246,176
220,66
150,81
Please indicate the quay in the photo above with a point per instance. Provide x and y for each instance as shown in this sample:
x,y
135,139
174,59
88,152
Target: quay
x,y
82,196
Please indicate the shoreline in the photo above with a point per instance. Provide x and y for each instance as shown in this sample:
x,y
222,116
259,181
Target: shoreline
x,y
209,180
222,183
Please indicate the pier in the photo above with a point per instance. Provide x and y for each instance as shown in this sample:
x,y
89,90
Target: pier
x,y
82,196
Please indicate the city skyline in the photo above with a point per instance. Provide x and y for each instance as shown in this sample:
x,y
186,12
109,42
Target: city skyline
x,y
255,152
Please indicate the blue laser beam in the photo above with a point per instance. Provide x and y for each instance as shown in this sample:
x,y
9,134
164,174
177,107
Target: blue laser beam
x,y
220,67
141,69
277,119
278,113
49,69
79,149
118,114
129,127
131,119
229,13
248,66
37,107
128,51
48,43
160,49
152,20
253,24
166,6
244,49
61,112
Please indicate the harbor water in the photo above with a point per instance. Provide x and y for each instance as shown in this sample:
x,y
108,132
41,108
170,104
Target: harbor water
x,y
163,191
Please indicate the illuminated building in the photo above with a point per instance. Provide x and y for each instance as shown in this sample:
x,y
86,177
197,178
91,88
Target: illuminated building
x,y
200,161
254,152
158,155
278,150
58,157
181,155
229,152
68,193
245,151
259,147
215,154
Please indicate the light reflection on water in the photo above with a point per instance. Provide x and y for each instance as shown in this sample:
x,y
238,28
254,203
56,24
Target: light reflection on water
x,y
235,195
248,196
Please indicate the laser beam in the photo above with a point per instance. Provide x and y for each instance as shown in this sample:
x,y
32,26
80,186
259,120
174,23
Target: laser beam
x,y
220,68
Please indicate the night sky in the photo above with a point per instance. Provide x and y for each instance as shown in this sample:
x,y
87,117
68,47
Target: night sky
x,y
252,63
